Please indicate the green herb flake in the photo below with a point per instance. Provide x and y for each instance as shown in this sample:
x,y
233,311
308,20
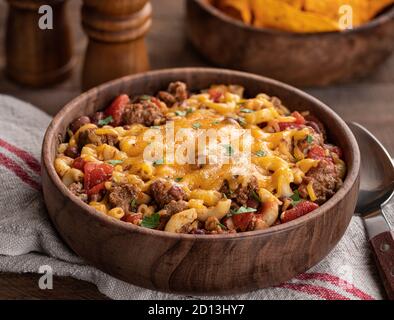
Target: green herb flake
x,y
229,150
246,111
115,162
243,210
151,221
215,122
133,203
178,179
295,198
180,113
105,121
256,196
189,110
145,97
261,153
309,139
221,225
196,125
241,121
158,162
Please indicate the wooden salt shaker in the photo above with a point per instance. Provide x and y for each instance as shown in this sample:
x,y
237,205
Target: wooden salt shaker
x,y
116,31
37,57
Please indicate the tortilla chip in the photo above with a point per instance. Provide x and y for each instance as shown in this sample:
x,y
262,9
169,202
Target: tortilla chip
x,y
300,15
295,3
280,15
376,6
238,9
331,9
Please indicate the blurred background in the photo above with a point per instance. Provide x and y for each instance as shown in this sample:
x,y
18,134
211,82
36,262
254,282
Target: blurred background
x,y
368,101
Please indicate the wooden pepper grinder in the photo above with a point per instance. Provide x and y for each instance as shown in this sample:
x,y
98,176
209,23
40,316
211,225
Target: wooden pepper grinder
x,y
116,31
37,56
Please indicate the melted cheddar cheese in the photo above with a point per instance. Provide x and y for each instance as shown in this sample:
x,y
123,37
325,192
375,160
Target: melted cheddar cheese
x,y
258,138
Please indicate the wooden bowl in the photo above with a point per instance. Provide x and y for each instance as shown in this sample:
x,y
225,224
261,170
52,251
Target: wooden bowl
x,y
315,59
198,264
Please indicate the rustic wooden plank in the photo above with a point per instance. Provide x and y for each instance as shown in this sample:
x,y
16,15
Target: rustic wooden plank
x,y
25,286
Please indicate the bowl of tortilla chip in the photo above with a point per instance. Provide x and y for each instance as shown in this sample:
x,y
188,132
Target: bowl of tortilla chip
x,y
301,42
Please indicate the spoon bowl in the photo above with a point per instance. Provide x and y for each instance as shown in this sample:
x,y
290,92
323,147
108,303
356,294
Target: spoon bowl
x,y
376,190
377,172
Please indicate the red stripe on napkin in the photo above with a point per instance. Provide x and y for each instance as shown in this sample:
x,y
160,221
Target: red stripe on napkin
x,y
23,155
343,284
310,289
19,172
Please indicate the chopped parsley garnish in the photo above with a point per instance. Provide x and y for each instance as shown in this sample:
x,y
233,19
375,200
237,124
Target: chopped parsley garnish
x,y
105,121
309,139
178,179
196,125
180,113
216,122
246,111
158,162
145,97
261,153
243,210
189,110
229,150
241,121
115,162
151,222
133,203
295,198
256,196
221,225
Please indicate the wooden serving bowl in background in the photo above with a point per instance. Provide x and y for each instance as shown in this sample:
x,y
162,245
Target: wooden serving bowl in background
x,y
198,264
314,59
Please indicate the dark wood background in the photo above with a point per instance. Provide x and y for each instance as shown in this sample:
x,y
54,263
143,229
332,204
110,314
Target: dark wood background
x,y
369,102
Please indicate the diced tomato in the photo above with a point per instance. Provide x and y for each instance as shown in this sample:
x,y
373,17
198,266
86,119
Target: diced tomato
x,y
316,152
297,124
241,221
79,163
299,210
299,118
115,110
96,173
96,189
156,102
132,218
285,125
215,94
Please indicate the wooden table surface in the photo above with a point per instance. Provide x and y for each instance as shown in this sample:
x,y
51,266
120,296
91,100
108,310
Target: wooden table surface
x,y
369,102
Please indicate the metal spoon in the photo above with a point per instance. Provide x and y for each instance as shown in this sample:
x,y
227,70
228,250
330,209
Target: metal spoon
x,y
376,190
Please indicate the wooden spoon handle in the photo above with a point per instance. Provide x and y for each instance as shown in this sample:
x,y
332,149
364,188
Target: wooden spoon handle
x,y
383,249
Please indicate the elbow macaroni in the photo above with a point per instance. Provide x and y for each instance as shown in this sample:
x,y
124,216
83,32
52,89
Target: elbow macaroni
x,y
283,157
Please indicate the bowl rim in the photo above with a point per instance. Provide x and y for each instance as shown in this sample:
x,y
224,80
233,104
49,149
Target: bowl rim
x,y
50,134
380,19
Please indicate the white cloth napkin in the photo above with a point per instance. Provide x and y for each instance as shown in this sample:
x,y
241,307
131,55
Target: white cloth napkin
x,y
28,239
